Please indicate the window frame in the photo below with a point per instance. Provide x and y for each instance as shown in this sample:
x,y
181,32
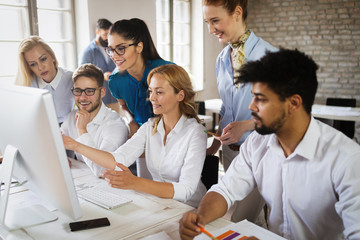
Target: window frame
x,y
32,28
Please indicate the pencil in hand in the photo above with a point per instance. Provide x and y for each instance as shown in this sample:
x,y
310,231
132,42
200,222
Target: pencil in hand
x,y
207,233
211,133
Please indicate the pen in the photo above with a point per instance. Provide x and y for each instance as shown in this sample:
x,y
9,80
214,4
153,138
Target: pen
x,y
207,233
12,182
210,133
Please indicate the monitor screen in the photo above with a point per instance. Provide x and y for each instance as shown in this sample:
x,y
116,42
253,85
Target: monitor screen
x,y
28,124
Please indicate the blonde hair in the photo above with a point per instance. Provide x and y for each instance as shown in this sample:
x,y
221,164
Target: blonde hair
x,y
24,74
179,80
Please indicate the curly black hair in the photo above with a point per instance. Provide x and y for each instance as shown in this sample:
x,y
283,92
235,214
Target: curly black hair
x,y
286,72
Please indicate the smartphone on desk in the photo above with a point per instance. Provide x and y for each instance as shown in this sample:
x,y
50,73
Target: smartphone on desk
x,y
88,224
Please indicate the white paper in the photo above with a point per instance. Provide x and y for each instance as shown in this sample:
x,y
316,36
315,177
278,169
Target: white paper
x,y
245,228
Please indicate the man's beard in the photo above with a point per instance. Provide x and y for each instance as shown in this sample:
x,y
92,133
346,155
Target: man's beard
x,y
103,43
94,107
274,126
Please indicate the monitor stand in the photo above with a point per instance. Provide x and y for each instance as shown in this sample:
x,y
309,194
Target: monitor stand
x,y
15,218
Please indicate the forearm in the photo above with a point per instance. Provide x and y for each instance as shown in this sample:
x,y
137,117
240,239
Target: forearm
x,y
102,158
159,189
211,207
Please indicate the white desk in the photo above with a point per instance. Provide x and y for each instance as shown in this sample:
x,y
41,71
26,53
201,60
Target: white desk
x,y
213,106
145,215
319,111
336,113
206,119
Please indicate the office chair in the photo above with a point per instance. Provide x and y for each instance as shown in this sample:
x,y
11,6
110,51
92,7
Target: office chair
x,y
210,172
201,107
347,127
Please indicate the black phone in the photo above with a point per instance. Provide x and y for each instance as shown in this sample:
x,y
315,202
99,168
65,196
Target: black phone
x,y
87,224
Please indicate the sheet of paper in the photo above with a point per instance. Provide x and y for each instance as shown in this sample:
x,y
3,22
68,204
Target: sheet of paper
x,y
238,230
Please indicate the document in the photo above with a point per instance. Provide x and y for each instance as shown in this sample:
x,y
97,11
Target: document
x,y
238,230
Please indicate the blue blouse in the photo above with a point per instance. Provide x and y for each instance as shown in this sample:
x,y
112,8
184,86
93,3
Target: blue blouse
x,y
124,86
236,100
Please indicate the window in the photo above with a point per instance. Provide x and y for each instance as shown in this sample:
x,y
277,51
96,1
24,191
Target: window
x,y
180,36
51,20
174,31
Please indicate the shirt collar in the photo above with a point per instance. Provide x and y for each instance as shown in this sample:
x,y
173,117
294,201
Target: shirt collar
x,y
249,42
99,118
54,83
306,147
178,127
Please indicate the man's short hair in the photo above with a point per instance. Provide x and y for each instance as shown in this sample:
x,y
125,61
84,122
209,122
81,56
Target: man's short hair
x,y
286,72
91,71
103,23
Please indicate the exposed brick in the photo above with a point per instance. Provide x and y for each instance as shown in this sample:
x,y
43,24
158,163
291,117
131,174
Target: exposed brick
x,y
328,30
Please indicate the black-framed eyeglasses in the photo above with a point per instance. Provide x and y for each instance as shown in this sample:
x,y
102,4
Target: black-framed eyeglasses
x,y
120,50
87,91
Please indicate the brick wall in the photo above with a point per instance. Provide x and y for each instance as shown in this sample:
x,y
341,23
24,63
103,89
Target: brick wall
x,y
328,30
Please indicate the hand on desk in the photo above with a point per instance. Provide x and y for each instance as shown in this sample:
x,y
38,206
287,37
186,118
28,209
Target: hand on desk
x,y
120,179
190,225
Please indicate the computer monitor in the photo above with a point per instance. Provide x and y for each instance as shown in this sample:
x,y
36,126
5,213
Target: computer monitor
x,y
31,142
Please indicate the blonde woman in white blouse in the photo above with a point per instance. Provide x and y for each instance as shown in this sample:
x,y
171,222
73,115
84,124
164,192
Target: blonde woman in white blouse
x,y
174,143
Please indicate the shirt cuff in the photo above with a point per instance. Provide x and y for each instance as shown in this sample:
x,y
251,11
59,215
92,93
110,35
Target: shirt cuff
x,y
84,139
216,189
179,192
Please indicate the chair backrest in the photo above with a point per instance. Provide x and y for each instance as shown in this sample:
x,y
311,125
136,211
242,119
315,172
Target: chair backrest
x,y
342,102
210,172
201,107
347,127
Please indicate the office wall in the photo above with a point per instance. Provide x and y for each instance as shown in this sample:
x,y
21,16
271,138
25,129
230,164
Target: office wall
x,y
87,12
328,30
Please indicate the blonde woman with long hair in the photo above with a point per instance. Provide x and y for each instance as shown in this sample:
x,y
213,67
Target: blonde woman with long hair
x,y
39,68
174,143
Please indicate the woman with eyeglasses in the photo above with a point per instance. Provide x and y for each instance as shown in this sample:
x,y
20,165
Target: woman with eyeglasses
x,y
174,143
38,67
131,48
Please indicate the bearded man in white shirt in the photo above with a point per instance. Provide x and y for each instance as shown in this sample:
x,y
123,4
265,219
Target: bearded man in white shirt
x,y
93,124
306,171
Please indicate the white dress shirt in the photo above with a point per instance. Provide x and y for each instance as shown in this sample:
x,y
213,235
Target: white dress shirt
x,y
180,161
107,131
313,194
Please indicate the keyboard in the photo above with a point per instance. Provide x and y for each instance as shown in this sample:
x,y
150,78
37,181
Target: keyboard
x,y
102,197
